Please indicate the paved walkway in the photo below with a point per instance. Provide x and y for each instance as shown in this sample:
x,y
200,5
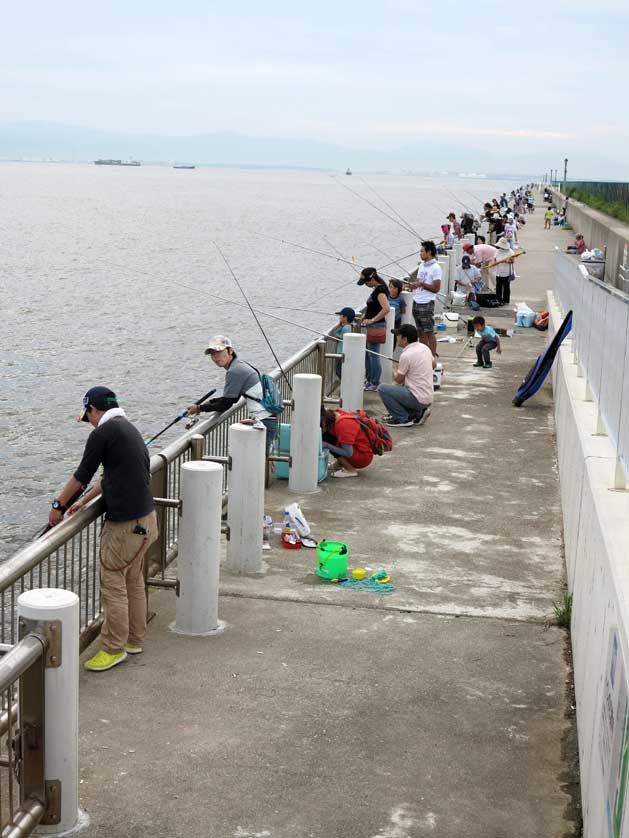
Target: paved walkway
x,y
437,710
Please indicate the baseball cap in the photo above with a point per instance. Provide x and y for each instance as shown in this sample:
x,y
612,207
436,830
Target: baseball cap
x,y
366,275
406,330
218,343
347,312
465,261
102,398
468,246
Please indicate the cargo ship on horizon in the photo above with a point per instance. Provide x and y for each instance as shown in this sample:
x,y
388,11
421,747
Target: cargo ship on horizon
x,y
107,162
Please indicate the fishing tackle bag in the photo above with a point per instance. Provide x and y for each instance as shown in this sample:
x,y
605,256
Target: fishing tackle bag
x,y
379,438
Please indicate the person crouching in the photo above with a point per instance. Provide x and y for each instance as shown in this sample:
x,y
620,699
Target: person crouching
x,y
344,438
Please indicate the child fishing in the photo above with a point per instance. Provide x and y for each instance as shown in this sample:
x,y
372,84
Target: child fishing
x,y
488,340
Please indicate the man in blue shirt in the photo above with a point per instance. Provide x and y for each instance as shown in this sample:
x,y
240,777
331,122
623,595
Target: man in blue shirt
x,y
488,340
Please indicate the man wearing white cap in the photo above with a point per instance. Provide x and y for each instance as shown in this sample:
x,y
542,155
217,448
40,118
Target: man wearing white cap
x,y
241,379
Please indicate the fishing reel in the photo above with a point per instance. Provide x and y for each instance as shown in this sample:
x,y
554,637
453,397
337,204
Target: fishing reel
x,y
191,421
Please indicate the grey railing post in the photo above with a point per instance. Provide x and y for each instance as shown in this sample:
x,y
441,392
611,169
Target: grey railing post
x,y
156,554
321,348
199,549
53,613
407,317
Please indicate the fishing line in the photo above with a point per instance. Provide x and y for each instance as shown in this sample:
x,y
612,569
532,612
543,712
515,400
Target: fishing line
x,y
255,316
377,208
387,204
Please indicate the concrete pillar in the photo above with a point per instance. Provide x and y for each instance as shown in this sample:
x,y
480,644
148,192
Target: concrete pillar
x,y
468,238
245,507
387,350
61,691
304,436
407,317
353,371
199,549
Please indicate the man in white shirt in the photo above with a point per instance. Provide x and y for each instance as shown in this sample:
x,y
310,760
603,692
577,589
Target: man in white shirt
x,y
409,399
426,287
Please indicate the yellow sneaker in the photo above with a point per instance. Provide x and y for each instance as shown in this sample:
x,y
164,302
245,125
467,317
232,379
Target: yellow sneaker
x,y
130,649
103,660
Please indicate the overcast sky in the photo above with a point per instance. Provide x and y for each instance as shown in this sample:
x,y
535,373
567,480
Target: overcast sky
x,y
550,74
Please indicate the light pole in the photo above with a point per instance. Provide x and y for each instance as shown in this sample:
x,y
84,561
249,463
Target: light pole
x,y
565,174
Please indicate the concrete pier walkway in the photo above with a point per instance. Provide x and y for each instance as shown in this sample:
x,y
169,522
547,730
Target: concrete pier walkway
x,y
440,709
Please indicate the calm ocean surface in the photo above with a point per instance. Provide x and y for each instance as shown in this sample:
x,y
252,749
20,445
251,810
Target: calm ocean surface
x,y
107,276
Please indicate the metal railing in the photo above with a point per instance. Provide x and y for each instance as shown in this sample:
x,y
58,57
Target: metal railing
x,y
23,792
68,556
600,331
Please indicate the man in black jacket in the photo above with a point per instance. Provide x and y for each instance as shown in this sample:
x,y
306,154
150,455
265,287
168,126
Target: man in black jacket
x,y
130,525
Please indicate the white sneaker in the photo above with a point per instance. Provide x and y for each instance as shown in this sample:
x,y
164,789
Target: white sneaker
x,y
344,473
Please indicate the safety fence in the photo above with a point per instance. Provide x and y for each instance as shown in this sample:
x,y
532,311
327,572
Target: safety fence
x,y
25,801
601,345
68,556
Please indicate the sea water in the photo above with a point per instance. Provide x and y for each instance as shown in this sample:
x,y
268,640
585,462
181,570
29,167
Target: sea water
x,y
107,276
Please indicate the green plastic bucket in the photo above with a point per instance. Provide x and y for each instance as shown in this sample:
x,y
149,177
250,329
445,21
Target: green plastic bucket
x,y
332,560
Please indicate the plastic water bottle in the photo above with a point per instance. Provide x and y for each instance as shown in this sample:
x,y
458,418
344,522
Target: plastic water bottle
x,y
286,526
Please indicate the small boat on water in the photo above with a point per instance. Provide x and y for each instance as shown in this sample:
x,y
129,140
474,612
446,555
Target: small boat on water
x,y
348,171
181,166
108,162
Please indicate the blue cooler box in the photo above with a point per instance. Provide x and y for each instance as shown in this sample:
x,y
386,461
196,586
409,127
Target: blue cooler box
x,y
281,469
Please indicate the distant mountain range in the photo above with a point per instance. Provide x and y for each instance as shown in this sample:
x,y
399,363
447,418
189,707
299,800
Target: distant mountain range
x,y
37,140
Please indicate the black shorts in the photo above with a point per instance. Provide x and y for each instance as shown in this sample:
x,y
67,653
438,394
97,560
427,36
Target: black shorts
x,y
424,315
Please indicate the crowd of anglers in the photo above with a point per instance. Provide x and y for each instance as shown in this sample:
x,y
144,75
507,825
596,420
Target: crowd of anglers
x,y
116,446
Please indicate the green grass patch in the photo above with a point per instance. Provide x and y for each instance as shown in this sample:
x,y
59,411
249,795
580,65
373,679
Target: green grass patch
x,y
616,209
563,611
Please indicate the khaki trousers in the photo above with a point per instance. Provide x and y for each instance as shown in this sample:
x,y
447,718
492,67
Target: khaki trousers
x,y
122,581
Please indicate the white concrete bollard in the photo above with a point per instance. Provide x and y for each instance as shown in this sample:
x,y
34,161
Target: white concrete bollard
x,y
444,262
468,238
407,317
198,561
61,690
455,263
304,436
245,508
387,349
353,376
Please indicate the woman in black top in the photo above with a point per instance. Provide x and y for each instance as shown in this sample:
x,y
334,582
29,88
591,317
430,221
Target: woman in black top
x,y
374,318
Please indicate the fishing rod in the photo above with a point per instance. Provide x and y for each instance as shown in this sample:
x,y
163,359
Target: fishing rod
x,y
321,253
255,316
377,208
80,492
387,204
180,417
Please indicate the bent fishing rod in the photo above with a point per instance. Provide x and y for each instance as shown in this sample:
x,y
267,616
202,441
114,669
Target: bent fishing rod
x,y
80,492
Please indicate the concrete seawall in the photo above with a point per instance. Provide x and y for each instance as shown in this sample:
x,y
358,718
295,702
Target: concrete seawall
x,y
596,534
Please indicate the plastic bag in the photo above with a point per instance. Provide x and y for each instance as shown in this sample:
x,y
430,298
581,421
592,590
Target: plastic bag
x,y
298,519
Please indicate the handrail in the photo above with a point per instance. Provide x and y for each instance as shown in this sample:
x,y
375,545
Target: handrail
x,y
67,556
22,656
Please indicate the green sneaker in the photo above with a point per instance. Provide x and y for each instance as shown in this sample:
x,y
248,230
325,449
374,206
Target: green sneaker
x,y
488,366
130,649
103,660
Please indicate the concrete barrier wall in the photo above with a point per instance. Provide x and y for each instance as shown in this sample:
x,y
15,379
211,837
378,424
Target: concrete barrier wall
x,y
600,230
596,532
